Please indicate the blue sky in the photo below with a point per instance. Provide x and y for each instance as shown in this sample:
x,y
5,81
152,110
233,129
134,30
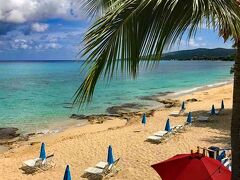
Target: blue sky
x,y
53,30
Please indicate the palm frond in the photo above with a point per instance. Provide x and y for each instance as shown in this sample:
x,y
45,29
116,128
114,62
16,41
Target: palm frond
x,y
131,29
96,7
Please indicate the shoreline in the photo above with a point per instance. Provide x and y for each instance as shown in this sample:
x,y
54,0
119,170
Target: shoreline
x,y
165,101
125,112
84,146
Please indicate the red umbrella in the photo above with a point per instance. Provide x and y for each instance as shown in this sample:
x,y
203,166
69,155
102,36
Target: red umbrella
x,y
193,166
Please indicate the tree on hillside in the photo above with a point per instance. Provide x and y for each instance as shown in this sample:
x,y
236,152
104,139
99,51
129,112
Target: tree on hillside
x,y
126,30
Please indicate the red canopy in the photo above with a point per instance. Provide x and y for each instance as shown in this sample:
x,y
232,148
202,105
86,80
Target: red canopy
x,y
192,167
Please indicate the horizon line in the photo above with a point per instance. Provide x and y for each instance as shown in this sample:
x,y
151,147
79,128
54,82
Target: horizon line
x,y
38,60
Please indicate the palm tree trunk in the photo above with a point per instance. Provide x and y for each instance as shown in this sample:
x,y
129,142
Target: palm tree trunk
x,y
235,124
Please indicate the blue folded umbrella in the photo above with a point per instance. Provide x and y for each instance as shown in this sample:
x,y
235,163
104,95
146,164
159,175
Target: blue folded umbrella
x,y
222,105
183,105
110,158
168,127
144,119
67,174
221,156
42,152
189,118
213,111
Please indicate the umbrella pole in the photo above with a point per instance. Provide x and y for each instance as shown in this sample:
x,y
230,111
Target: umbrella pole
x,y
204,152
208,150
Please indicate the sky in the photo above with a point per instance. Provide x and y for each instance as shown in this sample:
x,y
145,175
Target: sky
x,y
54,29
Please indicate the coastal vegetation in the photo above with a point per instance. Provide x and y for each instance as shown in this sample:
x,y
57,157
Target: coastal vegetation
x,y
200,54
131,29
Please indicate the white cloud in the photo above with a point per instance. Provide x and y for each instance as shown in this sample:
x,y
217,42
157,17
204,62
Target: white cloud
x,y
39,27
31,44
197,43
15,40
193,43
20,41
21,11
19,44
14,16
24,46
52,46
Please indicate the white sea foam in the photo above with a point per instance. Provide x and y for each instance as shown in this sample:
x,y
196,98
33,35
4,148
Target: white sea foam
x,y
49,131
202,87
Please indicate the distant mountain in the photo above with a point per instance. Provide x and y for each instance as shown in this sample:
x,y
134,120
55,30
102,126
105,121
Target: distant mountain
x,y
201,54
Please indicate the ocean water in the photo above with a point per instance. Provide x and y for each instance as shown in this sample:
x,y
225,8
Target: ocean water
x,y
38,95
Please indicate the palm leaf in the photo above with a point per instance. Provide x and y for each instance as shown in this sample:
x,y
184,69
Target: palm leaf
x,y
95,7
131,29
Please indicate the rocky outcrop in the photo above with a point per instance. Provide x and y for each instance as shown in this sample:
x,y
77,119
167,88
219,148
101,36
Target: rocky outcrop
x,y
168,103
191,100
93,119
8,133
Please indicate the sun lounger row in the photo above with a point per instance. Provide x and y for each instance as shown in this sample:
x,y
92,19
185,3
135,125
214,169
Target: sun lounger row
x,y
213,111
43,163
162,135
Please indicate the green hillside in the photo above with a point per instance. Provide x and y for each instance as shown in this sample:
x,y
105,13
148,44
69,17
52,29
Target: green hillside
x,y
201,54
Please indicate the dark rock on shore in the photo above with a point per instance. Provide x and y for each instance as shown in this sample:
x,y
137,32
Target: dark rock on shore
x,y
9,136
80,116
93,119
83,117
191,100
168,103
97,119
8,133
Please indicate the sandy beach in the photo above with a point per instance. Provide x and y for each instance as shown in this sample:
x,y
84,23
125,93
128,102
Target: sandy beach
x,y
82,147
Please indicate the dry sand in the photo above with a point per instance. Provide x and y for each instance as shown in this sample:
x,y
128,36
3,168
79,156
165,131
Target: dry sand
x,y
81,147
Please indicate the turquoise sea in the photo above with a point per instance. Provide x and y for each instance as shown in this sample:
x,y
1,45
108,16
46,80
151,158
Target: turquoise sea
x,y
38,95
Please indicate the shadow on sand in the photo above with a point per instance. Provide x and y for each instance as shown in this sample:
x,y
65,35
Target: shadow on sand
x,y
220,122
